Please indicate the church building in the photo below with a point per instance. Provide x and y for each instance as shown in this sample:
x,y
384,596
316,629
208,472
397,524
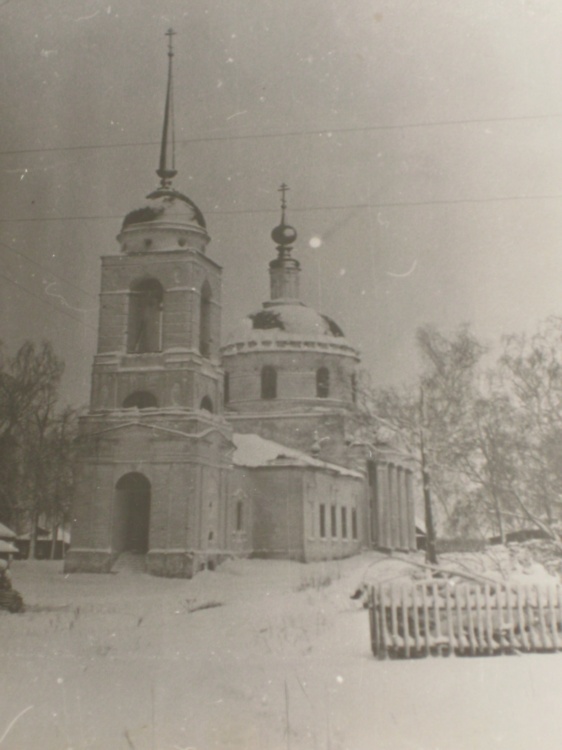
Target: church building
x,y
192,452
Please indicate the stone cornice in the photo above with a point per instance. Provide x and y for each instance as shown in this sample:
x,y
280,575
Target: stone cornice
x,y
292,343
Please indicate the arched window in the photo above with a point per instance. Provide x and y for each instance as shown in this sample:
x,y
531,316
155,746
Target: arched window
x,y
226,387
205,320
207,404
268,382
322,382
140,399
239,515
146,304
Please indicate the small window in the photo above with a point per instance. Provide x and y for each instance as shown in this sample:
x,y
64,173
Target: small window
x,y
354,523
322,509
140,400
344,523
207,404
334,520
239,515
268,382
322,382
226,387
354,388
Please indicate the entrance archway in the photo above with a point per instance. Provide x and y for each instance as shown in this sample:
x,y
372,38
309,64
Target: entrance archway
x,y
131,514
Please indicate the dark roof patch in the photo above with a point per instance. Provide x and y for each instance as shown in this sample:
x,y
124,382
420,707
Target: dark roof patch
x,y
265,319
335,330
141,215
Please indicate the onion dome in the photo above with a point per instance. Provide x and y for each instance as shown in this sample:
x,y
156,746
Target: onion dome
x,y
284,235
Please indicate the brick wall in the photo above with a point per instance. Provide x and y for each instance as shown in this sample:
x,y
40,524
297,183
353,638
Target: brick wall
x,y
181,274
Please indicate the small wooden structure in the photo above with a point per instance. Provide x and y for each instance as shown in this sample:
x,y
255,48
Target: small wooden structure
x,y
441,618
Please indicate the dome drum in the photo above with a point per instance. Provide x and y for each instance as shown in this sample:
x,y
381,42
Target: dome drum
x,y
288,380
162,236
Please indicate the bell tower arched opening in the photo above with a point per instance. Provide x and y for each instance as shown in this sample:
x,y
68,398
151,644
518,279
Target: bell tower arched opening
x,y
146,306
131,516
207,404
140,400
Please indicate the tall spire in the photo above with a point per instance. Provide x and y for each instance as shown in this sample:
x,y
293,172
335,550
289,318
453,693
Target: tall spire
x,y
166,169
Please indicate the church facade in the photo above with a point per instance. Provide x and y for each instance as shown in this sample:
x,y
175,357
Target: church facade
x,y
192,451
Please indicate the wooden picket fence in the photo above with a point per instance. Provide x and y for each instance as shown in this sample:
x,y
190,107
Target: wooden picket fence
x,y
441,618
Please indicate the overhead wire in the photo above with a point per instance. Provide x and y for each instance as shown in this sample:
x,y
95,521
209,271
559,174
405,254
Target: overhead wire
x,y
322,131
292,133
307,209
295,209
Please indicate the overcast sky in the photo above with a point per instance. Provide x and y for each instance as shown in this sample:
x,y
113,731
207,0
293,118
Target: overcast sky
x,y
422,142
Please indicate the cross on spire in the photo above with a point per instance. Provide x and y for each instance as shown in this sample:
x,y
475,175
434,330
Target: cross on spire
x,y
283,190
170,34
167,171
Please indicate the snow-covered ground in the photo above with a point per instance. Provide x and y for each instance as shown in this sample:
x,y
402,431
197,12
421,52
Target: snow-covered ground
x,y
258,655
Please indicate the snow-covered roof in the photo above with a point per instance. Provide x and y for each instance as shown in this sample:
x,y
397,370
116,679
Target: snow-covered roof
x,y
281,321
254,451
6,533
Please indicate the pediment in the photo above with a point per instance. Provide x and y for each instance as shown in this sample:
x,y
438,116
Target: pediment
x,y
139,430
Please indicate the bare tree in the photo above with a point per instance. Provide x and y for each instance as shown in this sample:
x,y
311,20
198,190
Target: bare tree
x,y
61,445
430,419
28,397
531,378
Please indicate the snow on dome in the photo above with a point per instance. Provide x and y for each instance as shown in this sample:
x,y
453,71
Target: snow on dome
x,y
291,319
166,205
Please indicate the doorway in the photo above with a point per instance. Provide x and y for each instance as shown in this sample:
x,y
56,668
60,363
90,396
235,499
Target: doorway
x,y
131,514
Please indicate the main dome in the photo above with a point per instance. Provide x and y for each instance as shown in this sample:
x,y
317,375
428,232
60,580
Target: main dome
x,y
284,322
278,319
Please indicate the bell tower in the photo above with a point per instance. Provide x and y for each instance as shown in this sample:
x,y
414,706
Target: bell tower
x,y
155,420
159,325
